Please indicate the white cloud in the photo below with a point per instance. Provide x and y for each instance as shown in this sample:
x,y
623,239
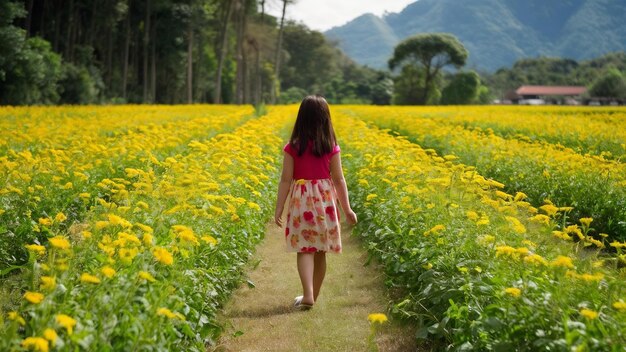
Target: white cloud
x,y
322,15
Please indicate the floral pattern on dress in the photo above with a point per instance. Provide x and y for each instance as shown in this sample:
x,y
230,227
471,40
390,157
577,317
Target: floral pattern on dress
x,y
312,218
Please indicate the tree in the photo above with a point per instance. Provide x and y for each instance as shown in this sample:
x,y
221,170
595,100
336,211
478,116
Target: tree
x,y
431,52
29,69
227,8
279,42
462,89
609,85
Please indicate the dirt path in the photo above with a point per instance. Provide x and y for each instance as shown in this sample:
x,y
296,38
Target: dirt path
x,y
261,318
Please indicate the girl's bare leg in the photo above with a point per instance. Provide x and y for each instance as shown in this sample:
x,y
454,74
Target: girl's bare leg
x,y
306,266
319,271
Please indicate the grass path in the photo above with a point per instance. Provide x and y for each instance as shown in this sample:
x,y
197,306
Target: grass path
x,y
261,318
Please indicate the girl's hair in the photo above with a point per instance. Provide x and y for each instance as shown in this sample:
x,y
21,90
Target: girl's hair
x,y
313,125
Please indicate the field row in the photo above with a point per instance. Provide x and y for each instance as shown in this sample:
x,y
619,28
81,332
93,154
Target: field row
x,y
55,159
594,186
473,266
156,250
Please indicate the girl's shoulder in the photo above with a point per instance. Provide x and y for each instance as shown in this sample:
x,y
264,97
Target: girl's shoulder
x,y
289,149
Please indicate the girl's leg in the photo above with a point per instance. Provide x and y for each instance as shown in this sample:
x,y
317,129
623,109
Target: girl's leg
x,y
319,272
306,265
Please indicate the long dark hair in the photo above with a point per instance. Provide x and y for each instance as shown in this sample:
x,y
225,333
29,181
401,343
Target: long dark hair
x,y
313,124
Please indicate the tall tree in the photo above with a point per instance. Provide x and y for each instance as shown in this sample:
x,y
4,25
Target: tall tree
x,y
241,15
126,50
279,42
227,8
146,42
432,52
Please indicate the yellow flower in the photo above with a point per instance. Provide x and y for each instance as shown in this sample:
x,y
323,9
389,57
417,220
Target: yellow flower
x,y
36,344
472,215
66,321
59,242
169,314
513,291
50,335
118,220
16,317
101,224
505,250
620,305
144,228
146,276
370,197
586,221
562,261
86,234
163,256
519,196
48,283
541,218
108,271
60,217
127,254
435,229
549,209
147,239
209,239
377,318
45,221
88,278
38,249
427,266
33,297
535,259
188,236
588,313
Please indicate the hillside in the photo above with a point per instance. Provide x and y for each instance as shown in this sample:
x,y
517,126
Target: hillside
x,y
496,32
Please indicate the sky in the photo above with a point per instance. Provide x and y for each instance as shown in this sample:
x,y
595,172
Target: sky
x,y
322,15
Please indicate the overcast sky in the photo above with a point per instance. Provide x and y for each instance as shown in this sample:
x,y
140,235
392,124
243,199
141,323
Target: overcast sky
x,y
322,15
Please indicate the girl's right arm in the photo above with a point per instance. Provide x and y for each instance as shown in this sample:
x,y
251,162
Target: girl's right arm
x,y
283,188
339,181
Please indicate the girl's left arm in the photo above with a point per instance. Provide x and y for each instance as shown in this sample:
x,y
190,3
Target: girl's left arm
x,y
283,188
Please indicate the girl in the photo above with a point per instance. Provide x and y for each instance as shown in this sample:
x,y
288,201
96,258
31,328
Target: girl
x,y
313,177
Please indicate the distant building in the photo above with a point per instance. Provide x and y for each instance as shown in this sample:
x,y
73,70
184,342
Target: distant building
x,y
538,95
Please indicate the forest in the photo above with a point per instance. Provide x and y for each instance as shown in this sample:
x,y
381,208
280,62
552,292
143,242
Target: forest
x,y
170,52
232,52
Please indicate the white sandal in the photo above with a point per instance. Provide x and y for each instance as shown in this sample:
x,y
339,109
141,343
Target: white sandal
x,y
298,305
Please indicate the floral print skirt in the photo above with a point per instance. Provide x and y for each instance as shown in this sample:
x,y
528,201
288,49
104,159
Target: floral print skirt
x,y
313,217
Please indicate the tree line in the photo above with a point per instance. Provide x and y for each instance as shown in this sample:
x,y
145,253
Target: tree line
x,y
232,51
171,51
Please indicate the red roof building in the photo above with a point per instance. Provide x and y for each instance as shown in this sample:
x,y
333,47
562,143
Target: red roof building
x,y
525,91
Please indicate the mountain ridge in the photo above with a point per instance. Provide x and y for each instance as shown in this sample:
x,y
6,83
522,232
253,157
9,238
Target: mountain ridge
x,y
496,32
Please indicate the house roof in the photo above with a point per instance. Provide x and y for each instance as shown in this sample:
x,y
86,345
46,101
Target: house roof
x,y
550,90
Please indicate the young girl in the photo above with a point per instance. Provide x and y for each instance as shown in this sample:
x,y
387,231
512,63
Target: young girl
x,y
313,177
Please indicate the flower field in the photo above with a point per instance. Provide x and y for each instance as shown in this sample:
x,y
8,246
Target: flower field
x,y
498,228
136,224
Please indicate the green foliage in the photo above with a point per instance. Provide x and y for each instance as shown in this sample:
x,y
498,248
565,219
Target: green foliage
x,y
292,95
29,69
313,65
444,48
382,92
610,85
463,89
431,52
409,87
77,85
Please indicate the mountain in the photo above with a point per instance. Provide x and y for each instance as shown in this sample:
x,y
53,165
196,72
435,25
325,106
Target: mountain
x,y
495,32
